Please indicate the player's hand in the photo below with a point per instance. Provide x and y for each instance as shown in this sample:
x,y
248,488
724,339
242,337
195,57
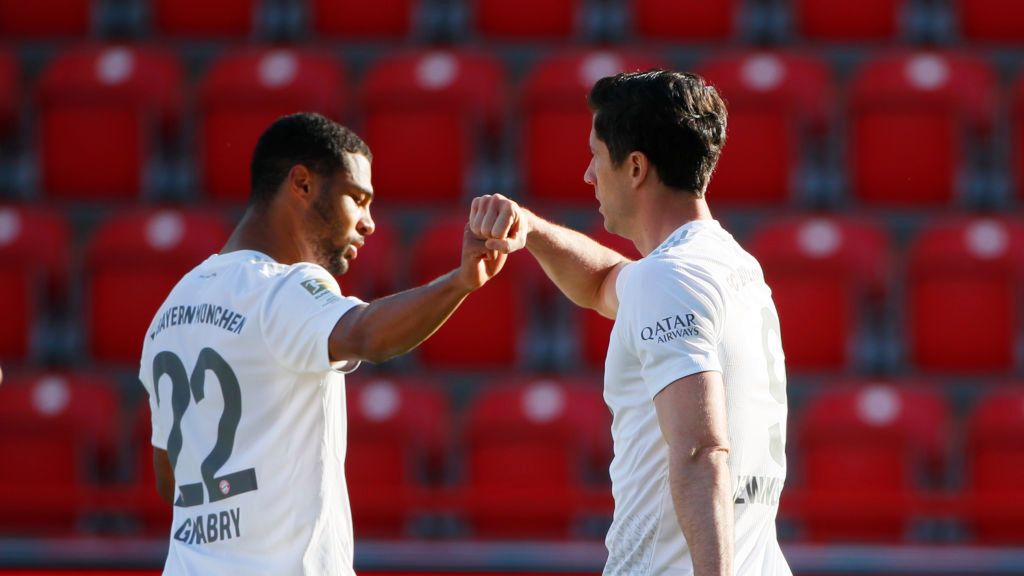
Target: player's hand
x,y
501,221
479,264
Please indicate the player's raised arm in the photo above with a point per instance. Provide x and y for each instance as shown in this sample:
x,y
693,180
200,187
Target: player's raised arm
x,y
396,324
584,270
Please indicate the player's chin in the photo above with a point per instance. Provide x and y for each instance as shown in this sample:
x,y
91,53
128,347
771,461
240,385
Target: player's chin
x,y
338,265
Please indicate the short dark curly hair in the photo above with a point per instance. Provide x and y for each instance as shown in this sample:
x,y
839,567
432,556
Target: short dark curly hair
x,y
676,119
306,138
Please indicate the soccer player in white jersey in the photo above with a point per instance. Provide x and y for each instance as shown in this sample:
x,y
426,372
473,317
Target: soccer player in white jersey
x,y
694,374
245,361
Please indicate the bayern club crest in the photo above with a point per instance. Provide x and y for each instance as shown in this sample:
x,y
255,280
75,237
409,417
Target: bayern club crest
x,y
225,487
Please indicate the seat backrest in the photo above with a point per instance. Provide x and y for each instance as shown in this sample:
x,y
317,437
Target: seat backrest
x,y
243,92
486,331
52,19
839,21
528,20
10,93
105,106
777,103
196,18
352,19
824,272
556,121
997,21
912,117
685,20
132,262
964,274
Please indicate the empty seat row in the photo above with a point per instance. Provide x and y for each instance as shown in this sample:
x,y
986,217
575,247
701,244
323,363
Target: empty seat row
x,y
660,20
921,128
527,457
839,282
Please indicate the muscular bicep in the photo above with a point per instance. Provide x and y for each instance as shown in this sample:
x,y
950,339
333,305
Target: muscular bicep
x,y
164,475
692,414
608,298
347,341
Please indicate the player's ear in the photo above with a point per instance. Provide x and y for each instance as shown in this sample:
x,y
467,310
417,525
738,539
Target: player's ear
x,y
300,182
639,167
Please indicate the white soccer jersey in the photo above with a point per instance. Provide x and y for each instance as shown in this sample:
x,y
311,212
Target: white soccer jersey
x,y
696,303
252,414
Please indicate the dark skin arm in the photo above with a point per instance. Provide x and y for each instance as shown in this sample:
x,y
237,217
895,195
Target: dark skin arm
x,y
164,475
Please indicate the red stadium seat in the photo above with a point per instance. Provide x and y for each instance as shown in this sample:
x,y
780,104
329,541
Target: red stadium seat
x,y
58,437
397,440
373,274
991,20
486,331
54,18
356,19
243,93
529,444
839,20
823,273
912,118
101,112
777,102
34,247
594,328
199,18
527,19
557,121
995,456
427,114
132,262
685,20
963,277
864,451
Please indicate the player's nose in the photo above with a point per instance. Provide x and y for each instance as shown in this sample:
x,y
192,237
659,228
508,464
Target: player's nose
x,y
366,224
588,175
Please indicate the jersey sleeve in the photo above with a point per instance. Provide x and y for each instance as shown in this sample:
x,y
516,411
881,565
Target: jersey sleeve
x,y
673,315
298,316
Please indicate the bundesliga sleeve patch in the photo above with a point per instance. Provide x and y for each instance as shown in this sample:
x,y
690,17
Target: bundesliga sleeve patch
x,y
321,290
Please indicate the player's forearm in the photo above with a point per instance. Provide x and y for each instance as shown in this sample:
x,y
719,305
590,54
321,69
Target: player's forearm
x,y
702,495
396,324
573,261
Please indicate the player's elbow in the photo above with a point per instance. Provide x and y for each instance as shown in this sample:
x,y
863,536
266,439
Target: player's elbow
x,y
698,461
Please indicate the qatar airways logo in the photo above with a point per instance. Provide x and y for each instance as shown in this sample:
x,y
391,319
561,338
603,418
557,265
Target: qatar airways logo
x,y
671,327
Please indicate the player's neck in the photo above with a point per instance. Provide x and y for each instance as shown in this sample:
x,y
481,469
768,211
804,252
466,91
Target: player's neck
x,y
260,231
662,214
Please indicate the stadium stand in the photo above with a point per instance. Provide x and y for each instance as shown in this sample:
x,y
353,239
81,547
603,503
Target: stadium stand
x,y
554,425
839,21
105,106
963,277
556,120
41,20
826,275
357,20
58,436
915,119
428,117
866,450
865,138
34,266
779,106
242,92
202,19
132,262
398,439
995,449
685,20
